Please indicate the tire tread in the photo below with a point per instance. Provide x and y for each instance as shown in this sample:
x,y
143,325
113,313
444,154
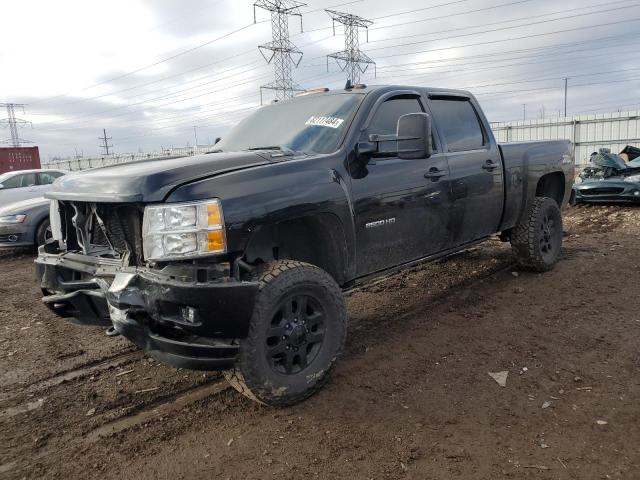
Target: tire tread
x,y
523,238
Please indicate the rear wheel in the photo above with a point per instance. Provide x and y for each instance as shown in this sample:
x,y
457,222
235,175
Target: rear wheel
x,y
43,233
298,330
537,240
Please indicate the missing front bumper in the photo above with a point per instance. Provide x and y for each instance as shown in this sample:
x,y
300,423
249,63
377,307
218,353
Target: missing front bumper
x,y
147,307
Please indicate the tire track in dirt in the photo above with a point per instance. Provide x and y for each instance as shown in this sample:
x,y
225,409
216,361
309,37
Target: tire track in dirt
x,y
152,411
89,368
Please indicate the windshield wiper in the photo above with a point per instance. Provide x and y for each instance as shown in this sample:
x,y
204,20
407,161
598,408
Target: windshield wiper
x,y
272,147
281,151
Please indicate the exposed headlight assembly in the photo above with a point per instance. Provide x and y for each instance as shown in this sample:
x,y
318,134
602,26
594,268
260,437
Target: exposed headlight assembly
x,y
183,230
11,219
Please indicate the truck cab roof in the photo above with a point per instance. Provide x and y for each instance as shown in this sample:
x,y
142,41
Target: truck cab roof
x,y
365,89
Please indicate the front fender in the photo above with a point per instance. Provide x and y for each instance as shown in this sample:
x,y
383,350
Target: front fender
x,y
267,195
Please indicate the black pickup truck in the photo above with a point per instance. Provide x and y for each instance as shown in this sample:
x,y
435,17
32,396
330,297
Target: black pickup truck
x,y
236,260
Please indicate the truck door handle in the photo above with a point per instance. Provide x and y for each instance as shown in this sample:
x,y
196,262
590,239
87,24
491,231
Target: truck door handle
x,y
489,166
434,173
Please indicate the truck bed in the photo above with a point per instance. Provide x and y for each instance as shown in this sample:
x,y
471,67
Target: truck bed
x,y
526,160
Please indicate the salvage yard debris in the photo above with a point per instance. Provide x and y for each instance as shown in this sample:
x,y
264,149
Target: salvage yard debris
x,y
147,390
500,377
610,178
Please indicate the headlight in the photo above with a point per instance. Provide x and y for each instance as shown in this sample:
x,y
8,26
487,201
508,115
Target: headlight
x,y
632,179
13,219
183,230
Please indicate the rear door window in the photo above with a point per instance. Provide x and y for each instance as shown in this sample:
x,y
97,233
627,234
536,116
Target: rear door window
x,y
47,178
459,124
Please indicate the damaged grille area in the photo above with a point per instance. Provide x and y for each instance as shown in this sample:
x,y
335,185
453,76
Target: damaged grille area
x,y
103,229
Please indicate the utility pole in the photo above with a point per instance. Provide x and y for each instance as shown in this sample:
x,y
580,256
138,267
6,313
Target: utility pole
x,y
351,60
284,55
13,123
105,142
566,86
195,134
524,111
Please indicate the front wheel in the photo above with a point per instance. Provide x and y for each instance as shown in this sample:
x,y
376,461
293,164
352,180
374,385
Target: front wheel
x,y
43,233
537,240
297,331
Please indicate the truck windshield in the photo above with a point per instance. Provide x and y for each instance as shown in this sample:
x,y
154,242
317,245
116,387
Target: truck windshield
x,y
313,124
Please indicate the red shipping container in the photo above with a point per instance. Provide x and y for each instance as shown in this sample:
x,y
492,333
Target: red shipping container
x,y
20,158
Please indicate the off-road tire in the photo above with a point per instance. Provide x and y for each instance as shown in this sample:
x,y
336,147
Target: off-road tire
x,y
528,236
253,374
41,232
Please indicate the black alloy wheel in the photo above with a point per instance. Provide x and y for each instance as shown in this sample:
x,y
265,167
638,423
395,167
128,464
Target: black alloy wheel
x,y
296,334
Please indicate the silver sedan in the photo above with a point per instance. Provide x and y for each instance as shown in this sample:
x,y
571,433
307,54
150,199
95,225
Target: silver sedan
x,y
25,223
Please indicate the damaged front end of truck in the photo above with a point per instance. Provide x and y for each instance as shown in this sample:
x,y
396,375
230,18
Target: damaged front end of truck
x,y
108,265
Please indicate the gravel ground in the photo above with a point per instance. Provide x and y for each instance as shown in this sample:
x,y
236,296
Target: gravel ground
x,y
411,397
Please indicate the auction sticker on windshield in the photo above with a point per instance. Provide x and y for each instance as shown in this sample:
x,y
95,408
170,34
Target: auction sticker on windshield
x,y
331,122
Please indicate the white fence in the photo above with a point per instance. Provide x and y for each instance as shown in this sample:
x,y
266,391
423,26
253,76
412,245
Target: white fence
x,y
73,164
589,133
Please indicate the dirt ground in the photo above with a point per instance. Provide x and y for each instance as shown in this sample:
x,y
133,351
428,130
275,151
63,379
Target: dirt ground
x,y
411,397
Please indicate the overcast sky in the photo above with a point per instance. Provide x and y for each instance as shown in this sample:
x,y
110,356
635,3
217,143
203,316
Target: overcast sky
x,y
150,70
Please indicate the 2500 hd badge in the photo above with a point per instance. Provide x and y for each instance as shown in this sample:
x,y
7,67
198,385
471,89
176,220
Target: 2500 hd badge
x,y
380,223
236,260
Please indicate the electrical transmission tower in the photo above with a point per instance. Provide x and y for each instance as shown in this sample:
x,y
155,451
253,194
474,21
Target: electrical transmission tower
x,y
351,60
280,51
13,123
105,142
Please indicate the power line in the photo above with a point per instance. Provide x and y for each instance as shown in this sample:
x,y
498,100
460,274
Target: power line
x,y
179,54
501,22
510,39
507,92
112,93
354,61
14,123
175,94
493,66
493,62
494,30
449,15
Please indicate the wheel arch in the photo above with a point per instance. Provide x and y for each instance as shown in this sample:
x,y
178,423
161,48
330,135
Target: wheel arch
x,y
552,185
318,239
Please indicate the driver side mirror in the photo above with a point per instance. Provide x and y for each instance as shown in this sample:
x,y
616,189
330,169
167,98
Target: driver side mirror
x,y
412,139
414,136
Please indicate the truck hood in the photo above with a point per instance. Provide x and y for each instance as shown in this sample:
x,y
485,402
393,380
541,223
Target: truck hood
x,y
148,180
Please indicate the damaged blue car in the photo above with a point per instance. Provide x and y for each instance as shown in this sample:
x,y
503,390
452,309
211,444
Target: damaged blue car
x,y
612,178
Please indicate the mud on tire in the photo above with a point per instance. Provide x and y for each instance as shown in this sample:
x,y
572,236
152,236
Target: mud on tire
x,y
297,331
537,240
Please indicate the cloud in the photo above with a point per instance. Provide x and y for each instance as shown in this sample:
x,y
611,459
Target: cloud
x,y
73,66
